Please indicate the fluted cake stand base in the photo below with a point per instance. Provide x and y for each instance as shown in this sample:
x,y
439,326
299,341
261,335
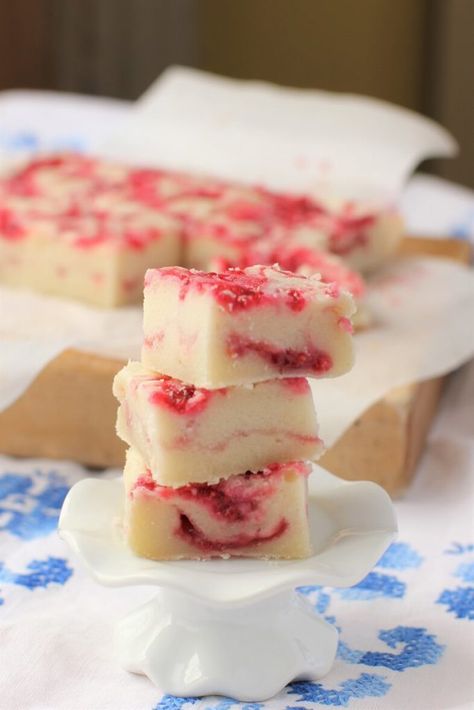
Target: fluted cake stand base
x,y
231,627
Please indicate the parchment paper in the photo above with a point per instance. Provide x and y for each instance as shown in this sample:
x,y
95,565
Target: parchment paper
x,y
34,329
286,139
424,312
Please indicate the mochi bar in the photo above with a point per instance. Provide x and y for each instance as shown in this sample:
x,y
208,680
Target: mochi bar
x,y
254,514
190,434
244,325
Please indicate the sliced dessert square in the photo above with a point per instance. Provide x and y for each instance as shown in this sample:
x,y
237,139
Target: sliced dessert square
x,y
255,514
97,257
244,325
191,434
303,260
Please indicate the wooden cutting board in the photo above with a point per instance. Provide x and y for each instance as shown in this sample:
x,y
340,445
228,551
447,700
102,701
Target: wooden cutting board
x,y
69,412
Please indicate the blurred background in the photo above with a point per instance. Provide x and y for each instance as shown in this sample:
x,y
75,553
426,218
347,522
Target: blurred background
x,y
417,53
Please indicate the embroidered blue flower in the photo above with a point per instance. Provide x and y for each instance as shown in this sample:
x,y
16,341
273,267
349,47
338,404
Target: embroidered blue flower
x,y
170,702
227,703
42,573
375,585
465,571
13,484
458,548
459,601
419,649
400,555
30,506
364,686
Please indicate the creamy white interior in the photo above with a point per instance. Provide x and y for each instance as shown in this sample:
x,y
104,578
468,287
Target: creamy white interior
x,y
241,428
153,525
194,331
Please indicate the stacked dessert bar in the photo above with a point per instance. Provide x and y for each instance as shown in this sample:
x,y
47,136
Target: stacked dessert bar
x,y
218,414
83,228
66,230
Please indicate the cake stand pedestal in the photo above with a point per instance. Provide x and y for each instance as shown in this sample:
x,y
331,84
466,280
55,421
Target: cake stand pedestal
x,y
231,627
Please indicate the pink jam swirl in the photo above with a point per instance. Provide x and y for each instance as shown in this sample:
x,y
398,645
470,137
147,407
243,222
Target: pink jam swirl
x,y
180,397
297,259
347,231
297,385
24,182
229,499
311,359
330,269
233,500
292,210
195,537
10,226
345,324
235,289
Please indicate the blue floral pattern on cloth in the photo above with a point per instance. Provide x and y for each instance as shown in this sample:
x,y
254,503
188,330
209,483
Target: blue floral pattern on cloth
x,y
228,703
170,702
364,686
407,647
41,573
375,585
419,648
415,646
460,599
30,505
400,555
29,509
465,571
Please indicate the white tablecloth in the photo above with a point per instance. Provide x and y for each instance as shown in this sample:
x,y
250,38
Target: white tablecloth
x,y
406,632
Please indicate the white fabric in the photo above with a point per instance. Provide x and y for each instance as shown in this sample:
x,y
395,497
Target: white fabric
x,y
407,633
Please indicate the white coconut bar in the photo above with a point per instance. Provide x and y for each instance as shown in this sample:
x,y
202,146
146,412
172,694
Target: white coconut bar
x,y
190,434
307,261
244,326
95,258
237,222
255,514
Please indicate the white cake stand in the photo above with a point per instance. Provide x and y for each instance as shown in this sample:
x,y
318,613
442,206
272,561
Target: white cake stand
x,y
231,627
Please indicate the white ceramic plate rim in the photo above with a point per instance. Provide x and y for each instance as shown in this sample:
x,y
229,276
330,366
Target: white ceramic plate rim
x,y
358,525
